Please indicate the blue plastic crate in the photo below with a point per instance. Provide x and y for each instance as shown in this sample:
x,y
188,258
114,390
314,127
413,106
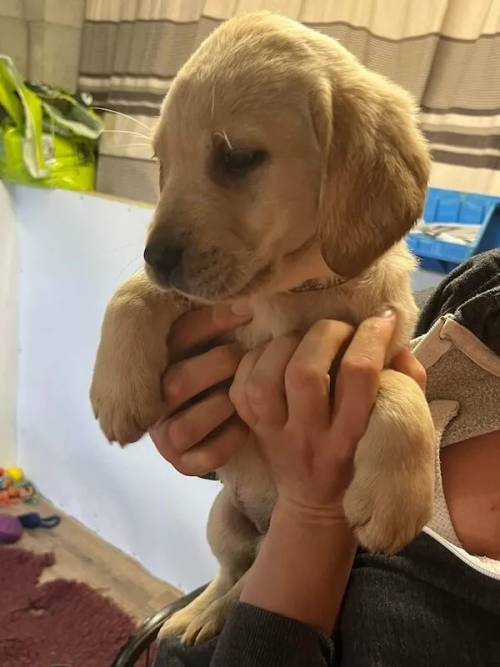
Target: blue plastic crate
x,y
460,207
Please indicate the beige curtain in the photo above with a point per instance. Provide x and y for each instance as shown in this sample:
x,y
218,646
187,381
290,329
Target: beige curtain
x,y
446,52
43,39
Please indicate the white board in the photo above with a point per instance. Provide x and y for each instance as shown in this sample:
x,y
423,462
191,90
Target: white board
x,y
74,251
8,328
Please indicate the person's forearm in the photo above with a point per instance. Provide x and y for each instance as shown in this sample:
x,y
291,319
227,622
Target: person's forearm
x,y
302,568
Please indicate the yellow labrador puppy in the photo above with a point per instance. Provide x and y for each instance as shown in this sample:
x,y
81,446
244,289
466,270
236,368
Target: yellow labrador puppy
x,y
289,174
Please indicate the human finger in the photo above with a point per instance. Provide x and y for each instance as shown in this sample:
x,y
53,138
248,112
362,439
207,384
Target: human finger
x,y
237,391
215,451
189,427
307,378
189,377
265,382
406,362
200,326
357,381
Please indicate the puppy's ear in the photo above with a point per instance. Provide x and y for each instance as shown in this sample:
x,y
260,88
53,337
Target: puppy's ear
x,y
376,167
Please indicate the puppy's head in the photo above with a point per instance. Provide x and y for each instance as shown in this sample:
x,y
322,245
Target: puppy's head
x,y
273,138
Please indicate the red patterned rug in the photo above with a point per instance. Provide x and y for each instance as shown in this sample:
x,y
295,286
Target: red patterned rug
x,y
57,623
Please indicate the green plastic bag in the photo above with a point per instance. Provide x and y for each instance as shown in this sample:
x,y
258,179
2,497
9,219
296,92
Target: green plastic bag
x,y
47,137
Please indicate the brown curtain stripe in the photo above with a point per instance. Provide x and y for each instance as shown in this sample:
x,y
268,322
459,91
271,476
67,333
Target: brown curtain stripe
x,y
130,109
100,22
467,160
321,26
465,140
118,74
133,95
462,111
458,127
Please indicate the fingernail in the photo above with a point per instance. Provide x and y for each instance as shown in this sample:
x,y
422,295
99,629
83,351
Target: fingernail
x,y
386,311
241,309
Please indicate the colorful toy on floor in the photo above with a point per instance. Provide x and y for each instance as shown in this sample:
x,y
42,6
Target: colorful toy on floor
x,y
5,482
34,520
7,499
16,474
27,492
14,487
11,527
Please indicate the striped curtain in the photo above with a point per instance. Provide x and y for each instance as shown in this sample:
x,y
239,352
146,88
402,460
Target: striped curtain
x,y
445,52
34,33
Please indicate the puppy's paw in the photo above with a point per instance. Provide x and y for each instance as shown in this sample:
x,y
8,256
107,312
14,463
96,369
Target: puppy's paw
x,y
177,624
126,408
391,496
209,622
385,516
126,392
205,616
196,625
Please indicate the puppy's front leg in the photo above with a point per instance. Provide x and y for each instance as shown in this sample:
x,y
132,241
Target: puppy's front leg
x,y
132,356
390,497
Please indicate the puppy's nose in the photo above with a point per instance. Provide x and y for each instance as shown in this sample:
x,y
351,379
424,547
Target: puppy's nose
x,y
161,257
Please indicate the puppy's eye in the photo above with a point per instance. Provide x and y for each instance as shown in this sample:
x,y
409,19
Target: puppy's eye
x,y
241,161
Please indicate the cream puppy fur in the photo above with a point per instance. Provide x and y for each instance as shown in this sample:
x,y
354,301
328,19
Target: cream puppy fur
x,y
283,162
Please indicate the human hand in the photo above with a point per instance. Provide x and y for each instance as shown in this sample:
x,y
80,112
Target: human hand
x,y
202,431
283,392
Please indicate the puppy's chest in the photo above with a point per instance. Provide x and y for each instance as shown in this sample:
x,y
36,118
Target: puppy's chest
x,y
285,313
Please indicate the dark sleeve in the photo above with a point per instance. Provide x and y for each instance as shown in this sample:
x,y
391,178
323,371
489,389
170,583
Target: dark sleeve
x,y
471,292
254,637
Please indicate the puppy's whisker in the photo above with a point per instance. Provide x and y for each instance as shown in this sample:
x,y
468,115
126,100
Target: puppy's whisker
x,y
124,246
143,145
223,134
104,254
212,107
136,134
127,273
137,258
124,115
226,138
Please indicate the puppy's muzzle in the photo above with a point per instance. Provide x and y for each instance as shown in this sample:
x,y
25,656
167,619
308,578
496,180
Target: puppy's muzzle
x,y
163,259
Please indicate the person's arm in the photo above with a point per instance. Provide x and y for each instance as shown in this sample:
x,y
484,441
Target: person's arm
x,y
303,566
254,636
470,471
293,592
